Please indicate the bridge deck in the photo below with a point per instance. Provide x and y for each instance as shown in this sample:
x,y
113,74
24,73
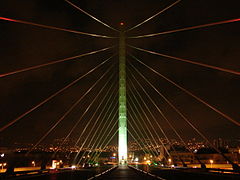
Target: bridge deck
x,y
124,172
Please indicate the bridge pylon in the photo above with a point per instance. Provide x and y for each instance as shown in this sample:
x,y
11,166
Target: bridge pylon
x,y
122,122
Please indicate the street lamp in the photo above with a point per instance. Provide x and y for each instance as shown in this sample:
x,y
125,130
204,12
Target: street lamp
x,y
33,163
211,162
169,160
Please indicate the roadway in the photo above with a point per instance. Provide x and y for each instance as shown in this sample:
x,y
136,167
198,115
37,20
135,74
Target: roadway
x,y
124,173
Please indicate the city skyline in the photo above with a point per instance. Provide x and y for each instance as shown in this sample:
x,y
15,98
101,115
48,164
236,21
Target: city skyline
x,y
24,46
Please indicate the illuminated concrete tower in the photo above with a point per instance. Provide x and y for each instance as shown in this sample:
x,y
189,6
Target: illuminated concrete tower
x,y
122,122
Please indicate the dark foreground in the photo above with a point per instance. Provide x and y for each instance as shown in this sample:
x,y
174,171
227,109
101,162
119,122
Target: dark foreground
x,y
188,174
125,173
81,174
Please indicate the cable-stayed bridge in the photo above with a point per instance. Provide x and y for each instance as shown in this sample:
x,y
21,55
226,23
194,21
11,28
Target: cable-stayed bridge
x,y
120,94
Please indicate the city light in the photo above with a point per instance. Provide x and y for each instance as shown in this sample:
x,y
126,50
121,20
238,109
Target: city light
x,y
169,160
2,155
211,162
3,165
148,162
55,164
33,163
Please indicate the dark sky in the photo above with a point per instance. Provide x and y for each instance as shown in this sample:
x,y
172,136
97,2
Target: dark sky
x,y
23,46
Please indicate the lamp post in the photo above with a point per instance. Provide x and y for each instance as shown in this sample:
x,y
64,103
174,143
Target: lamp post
x,y
33,163
169,161
211,162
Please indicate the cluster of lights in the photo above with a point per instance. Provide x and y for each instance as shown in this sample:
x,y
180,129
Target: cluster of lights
x,y
148,162
170,163
88,156
55,163
89,165
3,165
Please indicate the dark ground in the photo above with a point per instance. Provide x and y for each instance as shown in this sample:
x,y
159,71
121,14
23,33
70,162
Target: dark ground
x,y
124,172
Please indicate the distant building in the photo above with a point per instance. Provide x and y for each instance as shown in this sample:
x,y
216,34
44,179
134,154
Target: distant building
x,y
219,143
218,158
186,157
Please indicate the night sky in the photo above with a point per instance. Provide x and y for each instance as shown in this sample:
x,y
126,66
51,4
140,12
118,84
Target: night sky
x,y
24,46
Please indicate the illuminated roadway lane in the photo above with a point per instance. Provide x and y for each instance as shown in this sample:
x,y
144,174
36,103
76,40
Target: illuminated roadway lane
x,y
123,173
